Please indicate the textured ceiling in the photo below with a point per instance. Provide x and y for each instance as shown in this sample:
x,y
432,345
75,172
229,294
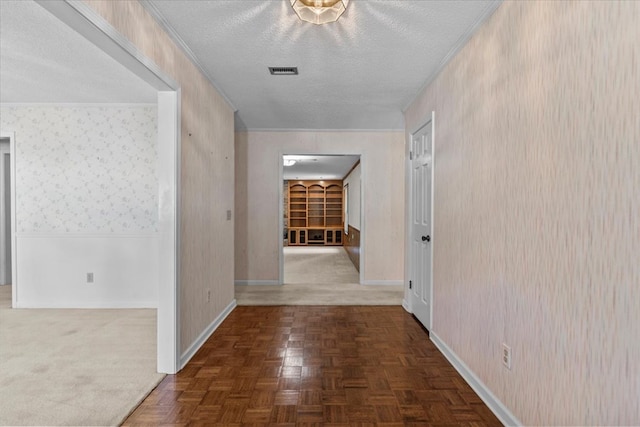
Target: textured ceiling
x,y
42,60
357,73
319,167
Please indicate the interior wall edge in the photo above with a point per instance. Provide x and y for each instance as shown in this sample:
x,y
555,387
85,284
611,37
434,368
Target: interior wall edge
x,y
206,170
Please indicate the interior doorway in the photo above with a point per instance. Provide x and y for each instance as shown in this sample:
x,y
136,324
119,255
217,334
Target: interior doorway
x,y
83,19
316,244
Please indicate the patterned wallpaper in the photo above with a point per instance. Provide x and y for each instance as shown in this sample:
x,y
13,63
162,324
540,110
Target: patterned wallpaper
x,y
84,169
537,208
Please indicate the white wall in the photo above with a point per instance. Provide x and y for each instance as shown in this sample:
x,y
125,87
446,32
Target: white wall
x,y
86,202
258,162
537,209
353,179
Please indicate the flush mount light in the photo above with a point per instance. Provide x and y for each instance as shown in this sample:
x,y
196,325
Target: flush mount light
x,y
319,11
289,162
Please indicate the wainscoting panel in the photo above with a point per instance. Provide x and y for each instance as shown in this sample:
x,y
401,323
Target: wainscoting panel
x,y
52,271
352,246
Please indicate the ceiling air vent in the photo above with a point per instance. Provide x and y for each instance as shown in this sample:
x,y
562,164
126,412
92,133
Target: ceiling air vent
x,y
283,71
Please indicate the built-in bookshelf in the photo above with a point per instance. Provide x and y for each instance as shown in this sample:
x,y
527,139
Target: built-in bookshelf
x,y
315,213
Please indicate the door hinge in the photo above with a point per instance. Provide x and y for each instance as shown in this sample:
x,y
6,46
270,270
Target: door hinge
x,y
410,155
410,284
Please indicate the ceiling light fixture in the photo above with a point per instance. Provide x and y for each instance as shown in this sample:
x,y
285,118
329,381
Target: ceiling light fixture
x,y
319,11
289,162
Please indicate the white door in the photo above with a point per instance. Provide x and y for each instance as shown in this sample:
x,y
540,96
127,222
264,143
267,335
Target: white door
x,y
421,165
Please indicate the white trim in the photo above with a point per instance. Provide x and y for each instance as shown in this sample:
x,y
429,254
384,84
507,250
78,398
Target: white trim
x,y
180,43
281,216
434,236
363,222
407,221
177,220
316,130
90,24
204,336
14,220
256,282
497,407
383,282
460,43
168,331
14,264
406,306
77,104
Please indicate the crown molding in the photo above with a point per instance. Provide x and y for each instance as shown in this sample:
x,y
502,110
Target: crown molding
x,y
462,41
182,45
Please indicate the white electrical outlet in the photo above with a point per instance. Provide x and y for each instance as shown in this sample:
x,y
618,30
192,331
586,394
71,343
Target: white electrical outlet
x,y
506,356
89,277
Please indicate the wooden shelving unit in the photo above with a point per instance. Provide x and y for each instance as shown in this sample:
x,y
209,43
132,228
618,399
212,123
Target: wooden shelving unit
x,y
315,213
297,205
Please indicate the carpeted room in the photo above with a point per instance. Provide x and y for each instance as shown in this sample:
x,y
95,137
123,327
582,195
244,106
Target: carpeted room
x,y
74,366
82,346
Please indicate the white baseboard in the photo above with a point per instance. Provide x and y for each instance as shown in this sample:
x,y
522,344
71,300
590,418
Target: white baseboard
x,y
204,336
383,282
405,305
497,407
256,282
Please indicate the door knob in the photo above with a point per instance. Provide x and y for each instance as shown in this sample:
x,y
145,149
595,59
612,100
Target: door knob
x,y
426,238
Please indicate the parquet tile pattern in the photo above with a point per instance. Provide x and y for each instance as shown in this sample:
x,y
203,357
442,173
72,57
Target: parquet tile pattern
x,y
316,366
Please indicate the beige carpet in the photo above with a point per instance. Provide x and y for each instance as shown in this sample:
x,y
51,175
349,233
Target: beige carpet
x,y
329,264
74,367
319,276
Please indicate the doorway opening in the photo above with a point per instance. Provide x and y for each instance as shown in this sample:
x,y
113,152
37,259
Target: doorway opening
x,y
91,26
316,246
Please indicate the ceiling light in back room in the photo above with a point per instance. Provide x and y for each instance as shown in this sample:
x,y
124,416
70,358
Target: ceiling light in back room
x,y
319,11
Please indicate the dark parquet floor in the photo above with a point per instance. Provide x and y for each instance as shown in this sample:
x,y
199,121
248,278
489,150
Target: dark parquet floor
x,y
316,366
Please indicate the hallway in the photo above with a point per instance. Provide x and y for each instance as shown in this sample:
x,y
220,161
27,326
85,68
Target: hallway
x,y
319,276
286,366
